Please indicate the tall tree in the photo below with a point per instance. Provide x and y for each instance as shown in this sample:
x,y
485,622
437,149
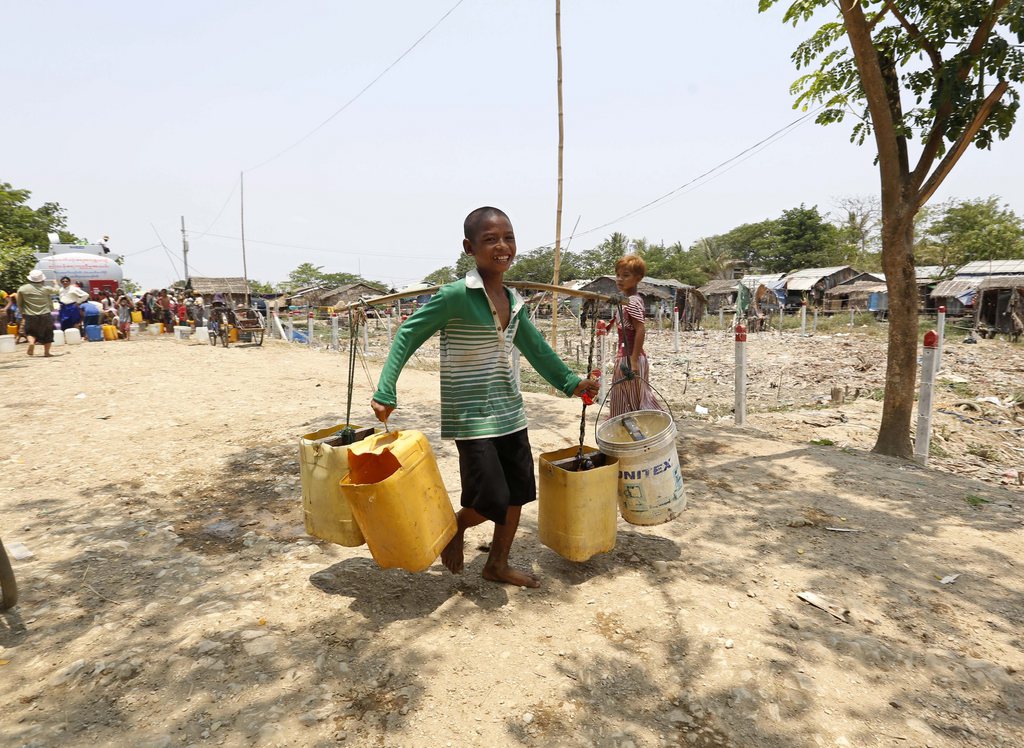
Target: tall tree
x,y
25,230
963,231
957,63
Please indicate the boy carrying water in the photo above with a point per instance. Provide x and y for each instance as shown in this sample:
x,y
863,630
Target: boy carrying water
x,y
481,406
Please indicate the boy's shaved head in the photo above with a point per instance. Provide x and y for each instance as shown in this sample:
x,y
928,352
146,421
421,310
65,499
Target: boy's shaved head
x,y
471,225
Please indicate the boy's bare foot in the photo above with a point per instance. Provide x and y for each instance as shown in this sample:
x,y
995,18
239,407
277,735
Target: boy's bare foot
x,y
452,556
509,575
31,349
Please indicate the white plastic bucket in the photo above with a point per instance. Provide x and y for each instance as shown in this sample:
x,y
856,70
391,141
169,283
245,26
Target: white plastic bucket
x,y
133,329
58,337
202,334
72,336
182,333
650,481
7,344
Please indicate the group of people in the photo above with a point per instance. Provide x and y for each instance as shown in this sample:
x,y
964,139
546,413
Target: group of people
x,y
28,312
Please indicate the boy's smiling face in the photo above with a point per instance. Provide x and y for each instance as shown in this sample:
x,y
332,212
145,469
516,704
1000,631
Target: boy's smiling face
x,y
494,246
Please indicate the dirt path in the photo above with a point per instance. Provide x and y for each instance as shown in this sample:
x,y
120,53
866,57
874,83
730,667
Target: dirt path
x,y
173,598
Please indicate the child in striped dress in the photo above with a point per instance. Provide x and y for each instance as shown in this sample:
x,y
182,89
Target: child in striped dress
x,y
631,366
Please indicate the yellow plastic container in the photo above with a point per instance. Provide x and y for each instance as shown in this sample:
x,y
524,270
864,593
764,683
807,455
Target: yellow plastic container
x,y
577,511
110,332
399,500
12,329
232,334
322,465
136,317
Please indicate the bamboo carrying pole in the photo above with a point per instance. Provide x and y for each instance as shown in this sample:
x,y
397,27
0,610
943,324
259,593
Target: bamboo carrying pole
x,y
558,209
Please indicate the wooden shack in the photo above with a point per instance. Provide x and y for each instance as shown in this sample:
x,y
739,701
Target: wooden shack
x,y
234,290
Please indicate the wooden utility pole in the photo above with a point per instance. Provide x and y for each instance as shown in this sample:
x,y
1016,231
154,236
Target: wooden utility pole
x,y
241,200
558,210
184,248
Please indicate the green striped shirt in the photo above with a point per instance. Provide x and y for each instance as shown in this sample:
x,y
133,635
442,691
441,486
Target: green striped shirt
x,y
479,395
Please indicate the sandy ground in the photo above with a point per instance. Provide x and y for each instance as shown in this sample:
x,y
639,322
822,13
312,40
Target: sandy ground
x,y
174,599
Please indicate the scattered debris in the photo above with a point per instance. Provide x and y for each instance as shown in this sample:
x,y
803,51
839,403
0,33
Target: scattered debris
x,y
949,579
834,609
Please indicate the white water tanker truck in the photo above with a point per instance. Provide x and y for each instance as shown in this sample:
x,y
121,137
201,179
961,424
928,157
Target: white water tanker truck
x,y
90,265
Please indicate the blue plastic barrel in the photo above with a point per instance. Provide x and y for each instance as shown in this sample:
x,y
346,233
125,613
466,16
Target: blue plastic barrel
x,y
94,333
299,337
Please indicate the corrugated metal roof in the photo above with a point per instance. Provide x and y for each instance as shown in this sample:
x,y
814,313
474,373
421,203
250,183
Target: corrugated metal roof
x,y
857,287
805,280
928,272
772,281
955,287
992,267
1001,281
206,286
719,285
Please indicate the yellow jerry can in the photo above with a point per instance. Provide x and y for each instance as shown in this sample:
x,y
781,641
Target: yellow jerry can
x,y
399,500
577,511
322,465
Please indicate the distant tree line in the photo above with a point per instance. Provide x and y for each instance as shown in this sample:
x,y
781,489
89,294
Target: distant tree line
x,y
949,234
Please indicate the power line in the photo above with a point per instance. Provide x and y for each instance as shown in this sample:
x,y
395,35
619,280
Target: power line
x,y
220,212
365,88
738,158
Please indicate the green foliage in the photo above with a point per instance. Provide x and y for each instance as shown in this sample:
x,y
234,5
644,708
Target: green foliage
x,y
974,500
260,287
307,274
802,238
16,262
441,276
946,92
823,442
130,286
956,232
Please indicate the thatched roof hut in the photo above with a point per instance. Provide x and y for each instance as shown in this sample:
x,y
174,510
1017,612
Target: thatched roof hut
x,y
234,290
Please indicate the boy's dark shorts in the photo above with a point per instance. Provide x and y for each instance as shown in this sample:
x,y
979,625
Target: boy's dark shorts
x,y
496,473
40,327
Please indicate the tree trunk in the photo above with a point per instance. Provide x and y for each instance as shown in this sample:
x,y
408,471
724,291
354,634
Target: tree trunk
x,y
901,366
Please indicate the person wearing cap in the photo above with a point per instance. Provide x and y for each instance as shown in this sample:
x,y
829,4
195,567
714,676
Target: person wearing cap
x,y
36,303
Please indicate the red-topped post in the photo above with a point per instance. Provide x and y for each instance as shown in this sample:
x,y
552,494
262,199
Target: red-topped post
x,y
941,323
309,329
740,410
924,398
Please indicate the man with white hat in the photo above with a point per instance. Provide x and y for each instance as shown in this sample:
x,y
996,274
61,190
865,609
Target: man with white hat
x,y
36,303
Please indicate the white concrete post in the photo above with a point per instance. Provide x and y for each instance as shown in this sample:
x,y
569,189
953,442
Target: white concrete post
x,y
924,399
602,337
334,332
366,337
782,316
675,329
291,328
721,318
851,316
387,319
309,330
814,324
740,417
942,337
803,319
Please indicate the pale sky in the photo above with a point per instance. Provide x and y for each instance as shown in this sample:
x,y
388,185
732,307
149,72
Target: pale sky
x,y
133,114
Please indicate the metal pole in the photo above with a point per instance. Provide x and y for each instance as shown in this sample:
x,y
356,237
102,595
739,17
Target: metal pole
x,y
740,408
942,337
924,401
675,329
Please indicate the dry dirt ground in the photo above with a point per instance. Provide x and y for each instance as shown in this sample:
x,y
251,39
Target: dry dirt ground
x,y
173,599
